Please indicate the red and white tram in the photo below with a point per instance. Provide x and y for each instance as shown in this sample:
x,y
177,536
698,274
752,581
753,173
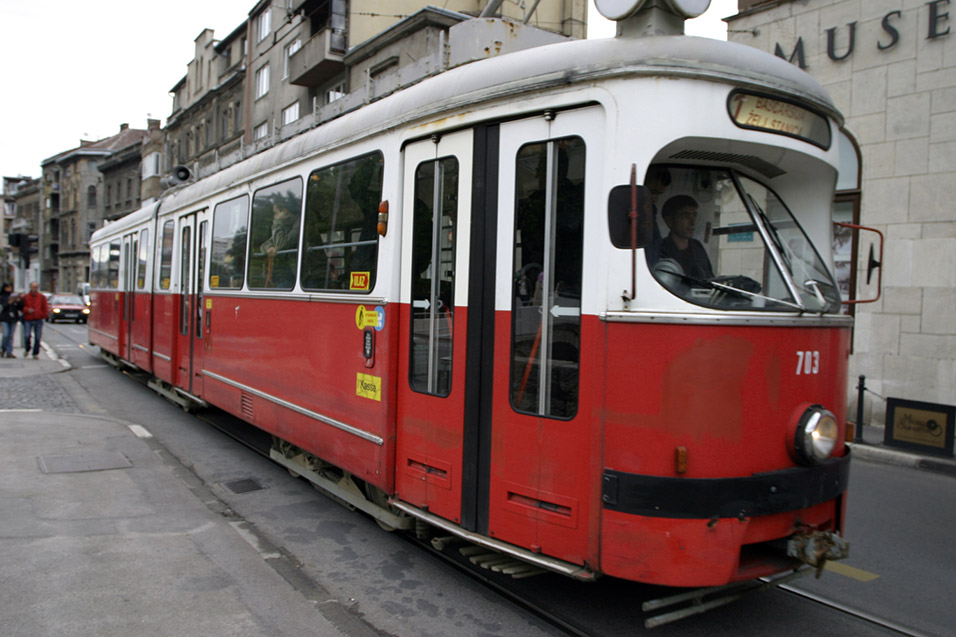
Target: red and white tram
x,y
455,305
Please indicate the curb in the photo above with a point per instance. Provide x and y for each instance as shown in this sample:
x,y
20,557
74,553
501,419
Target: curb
x,y
902,459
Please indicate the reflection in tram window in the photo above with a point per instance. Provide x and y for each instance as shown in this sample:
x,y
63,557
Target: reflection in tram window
x,y
227,259
433,276
546,300
729,242
341,218
274,235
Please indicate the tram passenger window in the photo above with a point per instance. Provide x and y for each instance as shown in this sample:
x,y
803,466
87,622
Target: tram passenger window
x,y
227,260
113,266
274,235
546,301
166,256
142,258
341,216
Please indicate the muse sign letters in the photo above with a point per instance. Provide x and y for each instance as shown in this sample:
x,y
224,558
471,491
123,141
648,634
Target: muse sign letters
x,y
937,26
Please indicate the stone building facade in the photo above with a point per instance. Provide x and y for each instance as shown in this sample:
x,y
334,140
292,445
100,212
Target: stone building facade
x,y
267,80
890,66
21,211
72,205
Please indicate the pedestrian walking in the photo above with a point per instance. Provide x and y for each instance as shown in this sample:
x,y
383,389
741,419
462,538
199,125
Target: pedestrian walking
x,y
35,311
9,315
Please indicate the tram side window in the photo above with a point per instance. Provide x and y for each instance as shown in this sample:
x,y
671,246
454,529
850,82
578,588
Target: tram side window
x,y
142,259
166,256
546,299
274,236
227,260
113,266
341,217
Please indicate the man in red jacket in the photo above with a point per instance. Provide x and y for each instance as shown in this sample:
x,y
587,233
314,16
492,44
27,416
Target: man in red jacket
x,y
34,312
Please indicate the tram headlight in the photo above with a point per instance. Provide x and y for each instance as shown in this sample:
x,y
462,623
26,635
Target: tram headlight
x,y
815,436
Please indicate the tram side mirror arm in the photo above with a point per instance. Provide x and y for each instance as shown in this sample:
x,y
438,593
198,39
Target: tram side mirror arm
x,y
873,263
619,207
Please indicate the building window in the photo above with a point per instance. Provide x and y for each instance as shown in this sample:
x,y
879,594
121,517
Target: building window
x,y
262,81
290,114
263,25
290,50
335,93
261,131
237,117
91,197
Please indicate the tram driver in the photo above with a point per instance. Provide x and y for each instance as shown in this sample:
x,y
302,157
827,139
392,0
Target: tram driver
x,y
680,216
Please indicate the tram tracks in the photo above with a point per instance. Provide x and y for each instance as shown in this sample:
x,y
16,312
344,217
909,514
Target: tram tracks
x,y
853,612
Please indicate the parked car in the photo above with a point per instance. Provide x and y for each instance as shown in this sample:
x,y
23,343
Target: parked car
x,y
68,307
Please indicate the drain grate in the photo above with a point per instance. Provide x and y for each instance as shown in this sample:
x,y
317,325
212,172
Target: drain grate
x,y
242,486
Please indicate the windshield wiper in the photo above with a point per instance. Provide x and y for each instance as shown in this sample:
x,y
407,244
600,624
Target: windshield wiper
x,y
746,293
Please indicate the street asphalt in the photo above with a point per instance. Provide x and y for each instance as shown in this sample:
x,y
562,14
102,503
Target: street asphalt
x,y
102,533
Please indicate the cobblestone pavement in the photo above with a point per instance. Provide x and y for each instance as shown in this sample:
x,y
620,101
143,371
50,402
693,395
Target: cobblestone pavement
x,y
35,392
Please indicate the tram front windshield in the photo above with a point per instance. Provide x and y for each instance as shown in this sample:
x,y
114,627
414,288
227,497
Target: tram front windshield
x,y
723,240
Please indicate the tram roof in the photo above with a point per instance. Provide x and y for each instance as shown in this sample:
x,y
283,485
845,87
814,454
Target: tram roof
x,y
529,71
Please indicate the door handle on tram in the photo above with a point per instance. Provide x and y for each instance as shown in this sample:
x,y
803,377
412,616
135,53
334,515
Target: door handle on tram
x,y
208,319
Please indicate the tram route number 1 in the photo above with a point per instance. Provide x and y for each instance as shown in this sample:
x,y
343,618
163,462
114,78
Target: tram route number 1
x,y
808,363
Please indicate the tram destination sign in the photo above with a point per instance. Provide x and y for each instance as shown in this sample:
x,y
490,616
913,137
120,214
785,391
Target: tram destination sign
x,y
764,113
919,426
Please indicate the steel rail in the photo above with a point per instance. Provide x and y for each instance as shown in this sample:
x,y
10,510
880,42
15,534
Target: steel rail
x,y
853,612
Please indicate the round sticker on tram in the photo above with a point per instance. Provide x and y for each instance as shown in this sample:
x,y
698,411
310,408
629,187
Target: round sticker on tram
x,y
380,323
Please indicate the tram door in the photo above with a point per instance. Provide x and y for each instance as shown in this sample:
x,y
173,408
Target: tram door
x,y
544,449
192,235
434,323
127,295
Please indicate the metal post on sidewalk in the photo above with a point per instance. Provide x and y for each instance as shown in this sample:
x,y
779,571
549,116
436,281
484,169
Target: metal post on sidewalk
x,y
858,429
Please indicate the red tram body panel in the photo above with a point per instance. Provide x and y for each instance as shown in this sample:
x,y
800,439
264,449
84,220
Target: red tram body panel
x,y
469,312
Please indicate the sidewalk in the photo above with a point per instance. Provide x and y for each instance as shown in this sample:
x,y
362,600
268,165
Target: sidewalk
x,y
102,532
873,449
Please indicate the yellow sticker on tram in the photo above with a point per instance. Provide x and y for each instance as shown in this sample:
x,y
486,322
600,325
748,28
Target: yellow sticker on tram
x,y
365,317
359,280
214,281
368,386
208,304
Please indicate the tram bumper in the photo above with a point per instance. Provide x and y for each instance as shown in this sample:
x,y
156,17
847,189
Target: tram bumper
x,y
710,532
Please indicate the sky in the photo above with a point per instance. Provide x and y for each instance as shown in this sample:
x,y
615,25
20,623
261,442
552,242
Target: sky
x,y
77,69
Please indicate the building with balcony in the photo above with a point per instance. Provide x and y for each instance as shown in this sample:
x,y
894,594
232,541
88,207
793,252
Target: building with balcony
x,y
21,209
278,73
72,196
